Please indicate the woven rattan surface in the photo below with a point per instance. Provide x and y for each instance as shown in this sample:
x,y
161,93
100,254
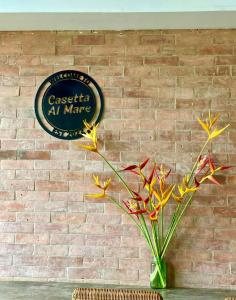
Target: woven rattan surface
x,y
114,294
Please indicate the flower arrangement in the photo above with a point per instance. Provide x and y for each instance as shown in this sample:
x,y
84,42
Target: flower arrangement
x,y
146,207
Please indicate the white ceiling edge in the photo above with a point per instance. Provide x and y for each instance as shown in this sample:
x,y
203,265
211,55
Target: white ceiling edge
x,y
116,21
77,6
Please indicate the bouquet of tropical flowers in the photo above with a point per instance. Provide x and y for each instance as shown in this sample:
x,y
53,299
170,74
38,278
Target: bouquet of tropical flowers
x,y
146,206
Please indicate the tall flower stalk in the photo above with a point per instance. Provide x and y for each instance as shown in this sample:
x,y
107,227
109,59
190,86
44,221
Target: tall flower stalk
x,y
146,207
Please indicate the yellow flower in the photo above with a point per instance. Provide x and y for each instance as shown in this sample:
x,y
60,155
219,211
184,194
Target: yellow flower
x,y
91,134
209,125
103,187
183,189
164,195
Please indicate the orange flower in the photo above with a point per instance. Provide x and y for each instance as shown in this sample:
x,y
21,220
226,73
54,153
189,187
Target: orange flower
x,y
103,187
91,134
209,125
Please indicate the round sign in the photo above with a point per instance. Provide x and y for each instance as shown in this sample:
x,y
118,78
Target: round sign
x,y
65,100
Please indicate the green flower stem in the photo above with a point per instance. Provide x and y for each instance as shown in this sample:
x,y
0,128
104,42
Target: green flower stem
x,y
196,162
155,237
162,227
178,213
117,174
142,220
121,207
173,228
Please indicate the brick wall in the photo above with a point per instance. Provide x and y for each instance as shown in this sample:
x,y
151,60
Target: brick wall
x,y
155,83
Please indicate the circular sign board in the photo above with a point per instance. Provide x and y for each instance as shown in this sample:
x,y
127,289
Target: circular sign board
x,y
65,100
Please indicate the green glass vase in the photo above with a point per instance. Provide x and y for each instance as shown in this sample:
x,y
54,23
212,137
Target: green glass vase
x,y
158,274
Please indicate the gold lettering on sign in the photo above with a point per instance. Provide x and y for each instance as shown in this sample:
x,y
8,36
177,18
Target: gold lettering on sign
x,y
71,109
70,104
54,111
52,99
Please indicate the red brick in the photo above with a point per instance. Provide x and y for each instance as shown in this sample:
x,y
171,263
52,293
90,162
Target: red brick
x,y
37,43
7,217
66,196
89,273
162,60
40,155
56,186
70,239
15,227
17,249
32,174
212,268
51,228
9,71
122,252
157,39
51,145
225,211
6,195
91,61
196,60
176,71
86,228
39,272
57,60
62,262
120,274
35,70
102,219
88,39
104,240
66,175
5,260
29,261
127,60
7,154
38,239
85,251
107,50
9,91
50,165
33,217
30,133
31,195
144,50
68,218
24,60
51,250
121,38
17,185
73,50
67,155
225,60
215,49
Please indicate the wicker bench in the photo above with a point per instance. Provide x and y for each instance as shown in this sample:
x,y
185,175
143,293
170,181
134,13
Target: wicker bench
x,y
114,294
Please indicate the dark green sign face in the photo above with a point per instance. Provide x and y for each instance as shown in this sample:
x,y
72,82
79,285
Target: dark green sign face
x,y
65,100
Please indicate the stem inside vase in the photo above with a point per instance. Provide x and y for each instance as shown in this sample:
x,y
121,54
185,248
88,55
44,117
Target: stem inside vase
x,y
158,274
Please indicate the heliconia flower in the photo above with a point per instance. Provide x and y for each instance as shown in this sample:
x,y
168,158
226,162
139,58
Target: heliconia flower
x,y
154,214
132,168
213,169
91,134
209,124
163,196
184,189
151,179
202,162
134,208
103,187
